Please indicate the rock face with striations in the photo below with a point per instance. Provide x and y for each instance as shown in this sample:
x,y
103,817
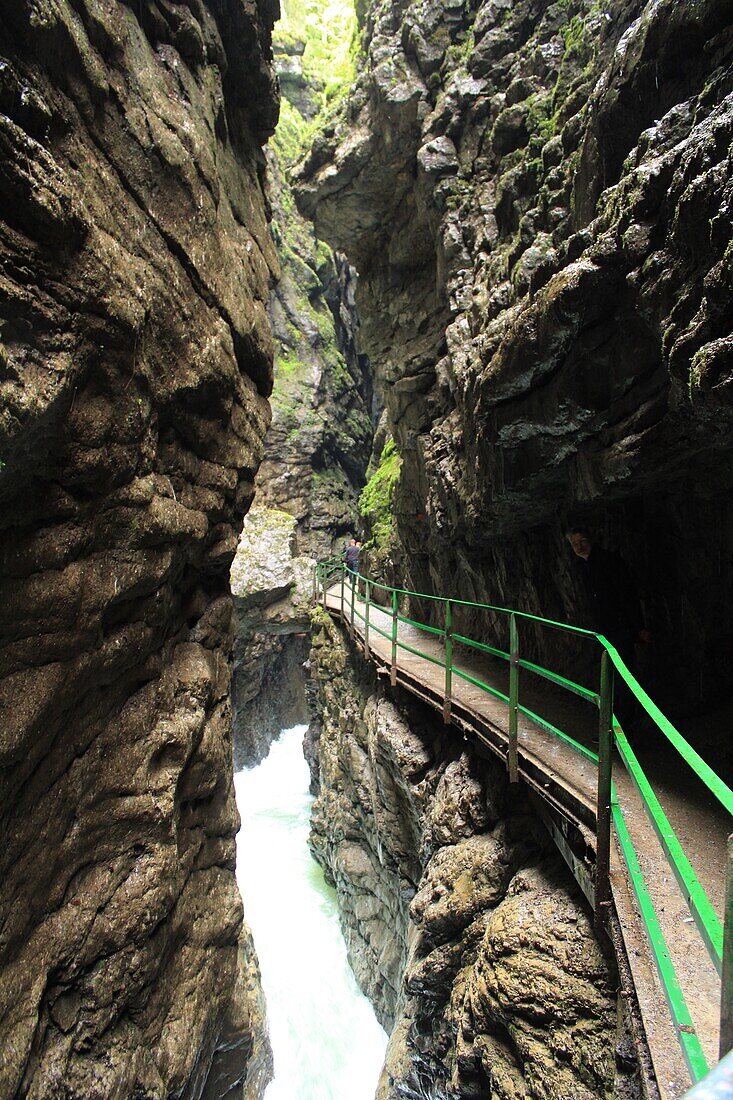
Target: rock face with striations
x,y
463,925
135,365
272,589
537,197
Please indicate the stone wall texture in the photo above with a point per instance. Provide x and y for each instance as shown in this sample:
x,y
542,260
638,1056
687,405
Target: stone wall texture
x,y
135,363
537,197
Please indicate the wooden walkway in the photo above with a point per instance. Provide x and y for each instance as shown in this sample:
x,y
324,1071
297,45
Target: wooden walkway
x,y
564,785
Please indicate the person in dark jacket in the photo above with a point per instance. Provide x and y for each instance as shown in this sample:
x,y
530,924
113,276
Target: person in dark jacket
x,y
351,557
612,593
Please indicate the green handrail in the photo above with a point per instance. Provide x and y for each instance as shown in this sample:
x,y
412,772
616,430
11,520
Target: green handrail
x,y
610,733
686,1034
702,911
603,801
705,773
512,751
448,635
713,782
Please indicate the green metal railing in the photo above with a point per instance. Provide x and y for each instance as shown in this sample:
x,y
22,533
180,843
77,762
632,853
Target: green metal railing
x,y
610,734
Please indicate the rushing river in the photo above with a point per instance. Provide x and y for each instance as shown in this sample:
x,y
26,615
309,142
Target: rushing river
x,y
326,1041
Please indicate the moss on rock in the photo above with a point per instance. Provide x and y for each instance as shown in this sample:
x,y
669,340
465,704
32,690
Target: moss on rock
x,y
375,502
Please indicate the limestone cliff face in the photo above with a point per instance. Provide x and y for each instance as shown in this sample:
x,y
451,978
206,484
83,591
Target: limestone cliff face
x,y
537,197
135,365
462,923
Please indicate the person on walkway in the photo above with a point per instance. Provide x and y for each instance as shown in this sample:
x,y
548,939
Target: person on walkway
x,y
351,557
615,608
613,595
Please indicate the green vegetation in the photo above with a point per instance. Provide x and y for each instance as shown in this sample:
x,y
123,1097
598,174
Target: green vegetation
x,y
291,129
324,34
315,38
320,619
459,193
459,53
541,122
375,502
581,47
323,254
327,28
286,363
580,42
546,112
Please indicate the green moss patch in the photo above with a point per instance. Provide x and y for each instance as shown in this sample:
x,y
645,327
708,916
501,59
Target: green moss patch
x,y
375,502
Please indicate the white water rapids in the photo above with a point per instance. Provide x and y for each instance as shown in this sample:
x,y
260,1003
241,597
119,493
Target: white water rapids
x,y
326,1040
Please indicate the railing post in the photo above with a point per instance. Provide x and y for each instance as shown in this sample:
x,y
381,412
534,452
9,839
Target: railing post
x,y
603,808
323,588
448,661
393,669
353,591
343,586
512,761
366,620
726,984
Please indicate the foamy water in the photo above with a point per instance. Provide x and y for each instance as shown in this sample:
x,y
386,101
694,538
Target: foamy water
x,y
326,1040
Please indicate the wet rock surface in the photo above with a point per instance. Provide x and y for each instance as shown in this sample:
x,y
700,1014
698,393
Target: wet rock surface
x,y
272,589
135,364
537,199
463,925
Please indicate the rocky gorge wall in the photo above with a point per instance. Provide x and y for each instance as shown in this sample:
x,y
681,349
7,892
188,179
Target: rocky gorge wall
x,y
272,587
320,438
135,365
319,442
463,925
537,198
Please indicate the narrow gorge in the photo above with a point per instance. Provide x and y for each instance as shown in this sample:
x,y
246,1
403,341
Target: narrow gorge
x,y
454,278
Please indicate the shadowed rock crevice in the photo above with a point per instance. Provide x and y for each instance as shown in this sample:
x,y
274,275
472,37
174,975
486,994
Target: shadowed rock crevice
x,y
323,402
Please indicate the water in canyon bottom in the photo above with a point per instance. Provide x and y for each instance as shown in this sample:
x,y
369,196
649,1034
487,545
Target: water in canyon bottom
x,y
326,1041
